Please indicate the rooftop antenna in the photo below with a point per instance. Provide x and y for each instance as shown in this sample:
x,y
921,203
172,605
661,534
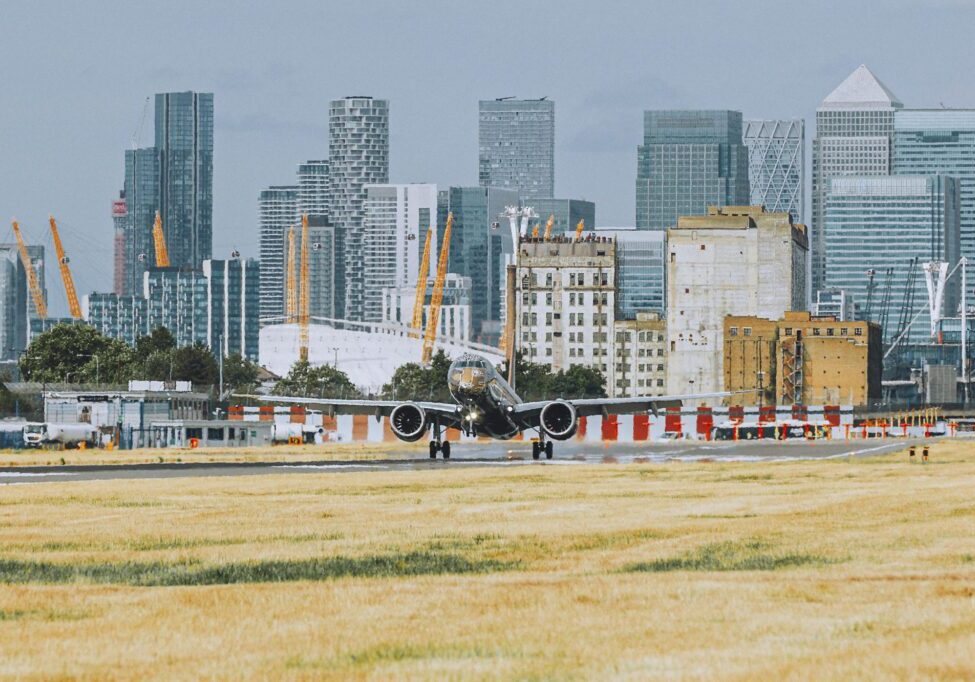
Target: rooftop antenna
x,y
137,135
501,99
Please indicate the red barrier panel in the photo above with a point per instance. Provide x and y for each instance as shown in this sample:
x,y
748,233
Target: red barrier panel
x,y
832,414
611,427
766,414
581,430
641,427
705,421
266,413
672,422
736,413
297,414
800,413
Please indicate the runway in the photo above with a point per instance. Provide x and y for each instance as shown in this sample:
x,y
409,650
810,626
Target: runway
x,y
496,454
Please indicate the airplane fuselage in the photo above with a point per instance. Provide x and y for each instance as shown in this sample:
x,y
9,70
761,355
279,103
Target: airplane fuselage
x,y
484,398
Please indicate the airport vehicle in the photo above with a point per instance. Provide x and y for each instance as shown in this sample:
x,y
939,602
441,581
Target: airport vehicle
x,y
485,404
38,434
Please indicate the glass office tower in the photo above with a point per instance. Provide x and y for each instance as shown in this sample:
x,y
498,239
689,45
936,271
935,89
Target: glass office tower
x,y
640,272
516,146
567,214
142,202
940,141
880,223
854,127
776,165
689,160
278,207
232,291
184,144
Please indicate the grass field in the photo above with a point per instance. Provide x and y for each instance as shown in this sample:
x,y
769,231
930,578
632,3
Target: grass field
x,y
831,569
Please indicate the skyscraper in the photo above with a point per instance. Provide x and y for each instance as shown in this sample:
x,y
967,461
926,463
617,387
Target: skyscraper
x,y
278,207
120,215
16,307
321,266
886,222
854,127
478,249
940,141
184,144
395,218
640,272
232,306
358,147
776,165
142,202
516,146
689,160
313,188
566,212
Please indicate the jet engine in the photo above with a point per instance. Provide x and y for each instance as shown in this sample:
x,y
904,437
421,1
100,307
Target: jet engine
x,y
408,421
558,420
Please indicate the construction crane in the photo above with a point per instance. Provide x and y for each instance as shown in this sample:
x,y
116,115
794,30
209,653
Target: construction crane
x,y
579,228
291,295
885,300
66,277
548,227
871,285
433,318
421,286
40,305
907,307
535,232
159,240
303,302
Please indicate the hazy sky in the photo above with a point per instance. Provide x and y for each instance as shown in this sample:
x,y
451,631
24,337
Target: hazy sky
x,y
75,77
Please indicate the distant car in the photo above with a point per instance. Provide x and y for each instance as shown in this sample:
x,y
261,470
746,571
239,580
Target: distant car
x,y
672,435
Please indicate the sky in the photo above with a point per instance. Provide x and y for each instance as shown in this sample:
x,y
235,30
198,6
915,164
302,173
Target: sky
x,y
75,78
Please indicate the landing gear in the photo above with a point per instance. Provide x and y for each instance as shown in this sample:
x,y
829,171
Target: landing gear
x,y
548,450
445,449
538,447
434,446
535,449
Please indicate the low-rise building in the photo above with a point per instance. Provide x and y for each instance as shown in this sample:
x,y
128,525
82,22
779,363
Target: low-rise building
x,y
640,352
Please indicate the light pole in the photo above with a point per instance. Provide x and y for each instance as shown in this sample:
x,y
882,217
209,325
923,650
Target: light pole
x,y
336,350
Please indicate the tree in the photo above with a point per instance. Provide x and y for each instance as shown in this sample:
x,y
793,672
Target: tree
x,y
322,381
159,339
578,381
239,373
413,381
194,363
67,352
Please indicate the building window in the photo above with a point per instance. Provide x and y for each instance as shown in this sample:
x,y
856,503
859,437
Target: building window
x,y
702,247
829,332
788,331
858,331
733,331
816,331
844,331
747,331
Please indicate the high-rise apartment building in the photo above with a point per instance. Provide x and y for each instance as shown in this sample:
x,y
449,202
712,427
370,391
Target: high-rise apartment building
x,y
479,245
278,206
396,216
737,260
640,272
177,300
776,165
232,306
566,213
940,142
313,188
516,146
322,295
184,144
142,202
16,306
876,223
117,317
854,131
689,161
358,148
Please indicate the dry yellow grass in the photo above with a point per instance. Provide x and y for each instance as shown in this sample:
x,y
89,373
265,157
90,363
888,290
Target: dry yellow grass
x,y
277,453
866,569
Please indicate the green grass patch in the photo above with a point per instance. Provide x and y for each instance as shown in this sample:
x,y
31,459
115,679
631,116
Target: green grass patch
x,y
730,556
195,573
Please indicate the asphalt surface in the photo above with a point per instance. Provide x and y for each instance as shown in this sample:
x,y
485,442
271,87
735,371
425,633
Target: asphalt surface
x,y
480,454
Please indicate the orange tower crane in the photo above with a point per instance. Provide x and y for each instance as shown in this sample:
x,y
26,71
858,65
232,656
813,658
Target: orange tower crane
x,y
421,286
433,319
40,305
66,277
159,240
291,300
303,299
548,227
579,228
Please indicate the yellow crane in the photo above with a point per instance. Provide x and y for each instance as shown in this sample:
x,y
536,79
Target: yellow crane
x,y
548,227
421,286
535,232
159,240
433,318
291,300
303,302
40,305
579,228
66,277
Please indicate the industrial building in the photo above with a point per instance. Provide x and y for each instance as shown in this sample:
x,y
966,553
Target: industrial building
x,y
800,359
736,260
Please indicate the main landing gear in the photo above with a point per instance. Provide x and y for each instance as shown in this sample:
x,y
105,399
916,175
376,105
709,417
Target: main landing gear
x,y
538,447
437,446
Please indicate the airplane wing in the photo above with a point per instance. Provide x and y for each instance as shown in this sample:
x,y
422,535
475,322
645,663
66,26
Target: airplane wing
x,y
591,406
377,408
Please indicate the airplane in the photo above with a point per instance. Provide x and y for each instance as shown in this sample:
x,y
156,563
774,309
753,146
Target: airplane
x,y
486,404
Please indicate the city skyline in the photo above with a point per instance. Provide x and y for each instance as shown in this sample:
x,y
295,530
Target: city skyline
x,y
267,119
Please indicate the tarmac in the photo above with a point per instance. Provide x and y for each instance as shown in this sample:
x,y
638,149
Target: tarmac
x,y
494,454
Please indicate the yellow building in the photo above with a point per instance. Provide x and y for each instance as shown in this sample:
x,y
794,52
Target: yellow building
x,y
817,360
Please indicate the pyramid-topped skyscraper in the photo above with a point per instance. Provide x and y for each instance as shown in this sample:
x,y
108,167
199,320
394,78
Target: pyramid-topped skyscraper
x,y
854,132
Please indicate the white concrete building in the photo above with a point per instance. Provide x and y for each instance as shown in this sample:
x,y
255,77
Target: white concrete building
x,y
640,356
737,260
455,311
395,223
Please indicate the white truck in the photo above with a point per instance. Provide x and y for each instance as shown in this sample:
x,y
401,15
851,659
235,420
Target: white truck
x,y
38,434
